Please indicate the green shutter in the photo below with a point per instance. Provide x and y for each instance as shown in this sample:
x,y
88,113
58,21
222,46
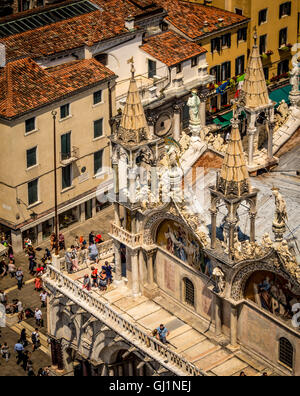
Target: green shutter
x,y
31,157
98,161
98,128
32,192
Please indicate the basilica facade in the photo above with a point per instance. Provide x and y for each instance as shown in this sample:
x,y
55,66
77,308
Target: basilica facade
x,y
201,261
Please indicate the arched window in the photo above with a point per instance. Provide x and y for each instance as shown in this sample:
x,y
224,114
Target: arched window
x,y
189,292
286,352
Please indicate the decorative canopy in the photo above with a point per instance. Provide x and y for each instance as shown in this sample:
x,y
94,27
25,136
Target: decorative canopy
x,y
133,128
255,91
234,178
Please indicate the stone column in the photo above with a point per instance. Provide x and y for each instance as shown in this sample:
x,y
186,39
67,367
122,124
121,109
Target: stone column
x,y
118,263
117,214
135,272
218,314
40,234
56,261
16,241
213,228
251,134
94,207
270,130
233,326
133,222
151,124
177,122
130,368
203,112
142,266
150,266
82,212
252,226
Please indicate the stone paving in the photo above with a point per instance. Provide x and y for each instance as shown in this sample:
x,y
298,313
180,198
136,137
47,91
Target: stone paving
x,y
10,368
199,348
30,297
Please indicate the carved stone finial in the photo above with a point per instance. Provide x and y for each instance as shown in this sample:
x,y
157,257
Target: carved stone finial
x,y
255,36
131,60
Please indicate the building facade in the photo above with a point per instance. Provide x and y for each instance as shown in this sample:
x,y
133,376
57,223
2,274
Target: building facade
x,y
82,95
229,298
274,43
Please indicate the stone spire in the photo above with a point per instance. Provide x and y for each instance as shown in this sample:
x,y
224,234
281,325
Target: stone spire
x,y
133,127
255,91
234,178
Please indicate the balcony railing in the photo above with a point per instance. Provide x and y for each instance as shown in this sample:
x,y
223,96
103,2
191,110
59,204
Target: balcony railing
x,y
125,237
68,158
128,331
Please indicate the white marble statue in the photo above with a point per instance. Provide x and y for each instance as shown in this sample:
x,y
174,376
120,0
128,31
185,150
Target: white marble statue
x,y
281,215
294,80
194,103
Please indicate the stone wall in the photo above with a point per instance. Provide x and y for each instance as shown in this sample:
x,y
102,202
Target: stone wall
x,y
261,333
170,276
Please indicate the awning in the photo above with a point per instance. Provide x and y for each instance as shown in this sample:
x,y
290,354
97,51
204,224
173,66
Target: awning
x,y
281,94
224,119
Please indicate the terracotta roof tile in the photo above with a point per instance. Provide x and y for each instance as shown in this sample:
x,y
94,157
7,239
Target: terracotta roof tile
x,y
171,49
57,37
189,17
25,86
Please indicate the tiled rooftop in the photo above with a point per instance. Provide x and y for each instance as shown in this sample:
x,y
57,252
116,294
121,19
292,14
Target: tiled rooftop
x,y
189,18
109,22
25,86
170,48
83,30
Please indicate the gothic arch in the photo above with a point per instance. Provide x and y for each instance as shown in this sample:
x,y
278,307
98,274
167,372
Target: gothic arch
x,y
153,222
241,277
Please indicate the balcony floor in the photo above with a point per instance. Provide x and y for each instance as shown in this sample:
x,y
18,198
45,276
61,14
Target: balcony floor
x,y
192,344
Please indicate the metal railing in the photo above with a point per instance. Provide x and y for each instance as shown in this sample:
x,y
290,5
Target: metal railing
x,y
127,330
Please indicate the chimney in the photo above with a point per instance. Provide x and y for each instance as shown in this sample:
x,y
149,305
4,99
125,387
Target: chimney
x,y
129,23
2,55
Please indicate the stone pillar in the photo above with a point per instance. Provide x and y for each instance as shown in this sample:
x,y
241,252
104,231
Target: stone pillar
x,y
252,226
151,124
135,273
142,268
218,314
120,371
150,266
270,130
82,212
251,133
133,223
16,241
56,261
130,368
213,228
111,372
40,233
117,214
177,122
233,326
118,263
94,207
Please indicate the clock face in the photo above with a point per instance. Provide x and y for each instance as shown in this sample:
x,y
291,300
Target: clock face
x,y
163,125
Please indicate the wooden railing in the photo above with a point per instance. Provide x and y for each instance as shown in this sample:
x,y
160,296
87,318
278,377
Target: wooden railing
x,y
128,331
125,237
